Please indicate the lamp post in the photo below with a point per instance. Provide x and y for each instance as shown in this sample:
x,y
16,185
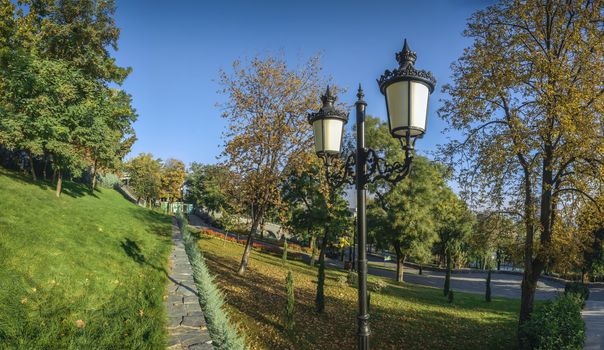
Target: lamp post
x,y
406,91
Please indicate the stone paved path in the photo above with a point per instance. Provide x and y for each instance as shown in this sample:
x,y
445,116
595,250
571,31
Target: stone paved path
x,y
186,323
593,315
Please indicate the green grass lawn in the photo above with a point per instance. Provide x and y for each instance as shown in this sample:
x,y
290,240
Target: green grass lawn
x,y
403,316
84,271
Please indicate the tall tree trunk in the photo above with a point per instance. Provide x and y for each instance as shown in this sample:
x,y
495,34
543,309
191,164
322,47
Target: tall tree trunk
x,y
320,298
400,261
537,264
447,286
250,240
313,250
59,183
93,180
31,167
45,166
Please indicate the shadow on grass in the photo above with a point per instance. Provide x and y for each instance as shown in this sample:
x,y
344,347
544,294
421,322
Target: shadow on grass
x,y
401,317
132,249
71,189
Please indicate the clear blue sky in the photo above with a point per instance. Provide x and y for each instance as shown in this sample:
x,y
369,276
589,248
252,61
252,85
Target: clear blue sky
x,y
177,49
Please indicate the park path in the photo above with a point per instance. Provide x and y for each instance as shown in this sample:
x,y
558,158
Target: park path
x,y
593,315
186,323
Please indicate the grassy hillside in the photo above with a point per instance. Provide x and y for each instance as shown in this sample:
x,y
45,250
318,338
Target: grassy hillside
x,y
84,271
403,316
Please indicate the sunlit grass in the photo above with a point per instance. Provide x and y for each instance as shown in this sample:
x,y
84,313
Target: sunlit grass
x,y
403,316
84,271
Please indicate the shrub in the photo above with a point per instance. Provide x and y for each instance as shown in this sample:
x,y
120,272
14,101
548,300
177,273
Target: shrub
x,y
342,280
224,335
352,278
108,180
378,286
284,257
450,296
579,289
556,325
290,307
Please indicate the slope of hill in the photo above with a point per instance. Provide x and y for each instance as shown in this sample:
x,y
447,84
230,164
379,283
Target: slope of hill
x,y
84,271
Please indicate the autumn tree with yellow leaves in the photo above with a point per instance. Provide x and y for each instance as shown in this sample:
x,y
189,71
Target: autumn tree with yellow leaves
x,y
528,99
266,107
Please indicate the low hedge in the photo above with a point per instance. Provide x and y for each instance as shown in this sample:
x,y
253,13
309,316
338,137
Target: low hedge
x,y
556,325
224,335
580,289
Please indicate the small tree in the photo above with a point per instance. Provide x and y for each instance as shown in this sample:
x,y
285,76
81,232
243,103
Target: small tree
x,y
290,308
487,295
450,296
284,258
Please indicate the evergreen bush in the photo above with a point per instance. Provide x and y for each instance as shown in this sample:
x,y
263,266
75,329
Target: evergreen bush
x,y
224,335
378,286
352,278
556,325
579,289
284,258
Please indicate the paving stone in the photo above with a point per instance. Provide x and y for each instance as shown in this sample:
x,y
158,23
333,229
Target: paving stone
x,y
187,326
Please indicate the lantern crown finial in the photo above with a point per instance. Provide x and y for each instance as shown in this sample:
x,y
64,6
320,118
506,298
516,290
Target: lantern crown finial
x,y
360,93
328,99
406,56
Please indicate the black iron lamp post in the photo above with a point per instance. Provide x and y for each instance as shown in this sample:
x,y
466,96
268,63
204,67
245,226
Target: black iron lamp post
x,y
406,90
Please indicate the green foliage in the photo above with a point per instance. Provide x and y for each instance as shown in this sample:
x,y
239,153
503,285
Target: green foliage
x,y
95,258
487,294
402,216
342,280
578,289
450,296
145,176
224,335
290,308
556,325
377,286
55,78
205,187
352,278
108,180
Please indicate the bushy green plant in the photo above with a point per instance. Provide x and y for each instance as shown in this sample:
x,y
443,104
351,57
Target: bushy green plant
x,y
290,307
579,289
284,258
108,180
556,325
378,286
224,335
352,278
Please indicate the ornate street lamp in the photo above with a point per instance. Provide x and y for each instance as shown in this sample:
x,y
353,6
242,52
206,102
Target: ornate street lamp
x,y
407,91
328,126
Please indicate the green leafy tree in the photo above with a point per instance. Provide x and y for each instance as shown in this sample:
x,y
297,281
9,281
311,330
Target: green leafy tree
x,y
291,304
455,223
145,177
527,97
402,215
